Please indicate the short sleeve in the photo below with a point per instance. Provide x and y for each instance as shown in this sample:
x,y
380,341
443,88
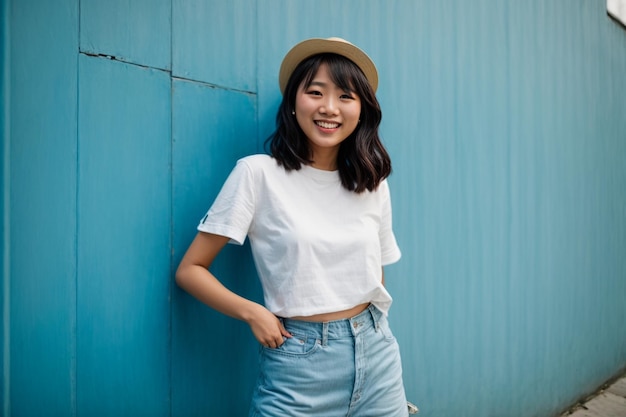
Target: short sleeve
x,y
390,252
233,209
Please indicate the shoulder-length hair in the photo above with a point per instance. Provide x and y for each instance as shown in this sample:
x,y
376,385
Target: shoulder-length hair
x,y
362,160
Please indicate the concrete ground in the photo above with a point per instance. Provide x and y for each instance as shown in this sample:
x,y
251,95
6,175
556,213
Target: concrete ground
x,y
608,402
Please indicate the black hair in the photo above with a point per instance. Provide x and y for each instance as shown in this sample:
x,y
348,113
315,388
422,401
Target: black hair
x,y
362,160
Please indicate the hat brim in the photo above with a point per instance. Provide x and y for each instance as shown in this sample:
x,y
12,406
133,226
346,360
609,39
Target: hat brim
x,y
314,46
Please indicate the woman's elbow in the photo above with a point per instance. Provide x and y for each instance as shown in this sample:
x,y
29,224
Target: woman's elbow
x,y
180,277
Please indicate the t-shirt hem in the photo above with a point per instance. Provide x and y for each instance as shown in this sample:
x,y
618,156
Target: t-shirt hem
x,y
382,304
235,236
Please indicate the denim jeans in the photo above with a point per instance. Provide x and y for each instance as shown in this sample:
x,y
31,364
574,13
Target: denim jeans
x,y
347,368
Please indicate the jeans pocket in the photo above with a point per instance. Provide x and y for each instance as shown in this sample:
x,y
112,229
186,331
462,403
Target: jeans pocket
x,y
297,345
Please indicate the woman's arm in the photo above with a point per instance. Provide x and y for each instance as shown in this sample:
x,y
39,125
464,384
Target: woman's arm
x,y
194,277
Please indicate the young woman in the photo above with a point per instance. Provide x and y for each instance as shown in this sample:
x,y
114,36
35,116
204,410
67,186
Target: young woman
x,y
318,214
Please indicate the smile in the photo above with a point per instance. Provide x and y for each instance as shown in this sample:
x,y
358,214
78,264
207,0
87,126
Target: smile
x,y
327,125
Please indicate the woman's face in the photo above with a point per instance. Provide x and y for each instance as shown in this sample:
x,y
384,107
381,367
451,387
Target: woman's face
x,y
327,115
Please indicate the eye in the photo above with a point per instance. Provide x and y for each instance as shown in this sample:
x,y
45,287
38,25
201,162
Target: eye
x,y
346,97
314,93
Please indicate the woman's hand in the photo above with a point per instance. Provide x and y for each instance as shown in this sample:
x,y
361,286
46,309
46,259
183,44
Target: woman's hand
x,y
192,275
266,327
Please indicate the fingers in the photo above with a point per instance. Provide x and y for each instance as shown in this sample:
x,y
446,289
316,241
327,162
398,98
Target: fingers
x,y
280,339
275,342
284,331
268,329
272,343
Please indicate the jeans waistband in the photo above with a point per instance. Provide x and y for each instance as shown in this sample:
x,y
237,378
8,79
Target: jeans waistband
x,y
337,329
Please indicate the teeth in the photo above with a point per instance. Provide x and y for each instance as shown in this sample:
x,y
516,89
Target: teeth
x,y
327,125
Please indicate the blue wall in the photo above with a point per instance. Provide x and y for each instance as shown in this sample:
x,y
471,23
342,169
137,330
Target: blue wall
x,y
506,124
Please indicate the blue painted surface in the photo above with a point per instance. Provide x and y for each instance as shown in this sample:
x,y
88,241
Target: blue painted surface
x,y
206,146
124,216
215,42
513,214
505,122
41,204
137,31
4,180
514,210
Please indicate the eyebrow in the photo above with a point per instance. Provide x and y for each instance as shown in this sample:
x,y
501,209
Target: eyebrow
x,y
324,85
318,83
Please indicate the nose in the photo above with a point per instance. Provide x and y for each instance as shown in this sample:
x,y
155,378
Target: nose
x,y
329,106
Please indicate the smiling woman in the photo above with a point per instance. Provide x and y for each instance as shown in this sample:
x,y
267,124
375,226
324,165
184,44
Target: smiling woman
x,y
362,160
318,214
327,115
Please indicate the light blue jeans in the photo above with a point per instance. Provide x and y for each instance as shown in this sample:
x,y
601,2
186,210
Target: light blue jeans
x,y
347,368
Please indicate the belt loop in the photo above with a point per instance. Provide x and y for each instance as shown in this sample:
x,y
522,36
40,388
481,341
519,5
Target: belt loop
x,y
324,333
375,313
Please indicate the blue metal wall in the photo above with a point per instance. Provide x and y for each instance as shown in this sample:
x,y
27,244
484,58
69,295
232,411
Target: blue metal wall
x,y
40,225
506,122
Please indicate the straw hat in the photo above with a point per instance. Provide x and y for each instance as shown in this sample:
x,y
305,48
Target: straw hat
x,y
314,46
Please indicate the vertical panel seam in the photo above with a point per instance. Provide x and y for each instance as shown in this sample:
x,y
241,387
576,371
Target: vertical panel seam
x,y
171,213
6,209
74,337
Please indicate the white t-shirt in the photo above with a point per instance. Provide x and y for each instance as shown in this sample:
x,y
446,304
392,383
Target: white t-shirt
x,y
318,248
